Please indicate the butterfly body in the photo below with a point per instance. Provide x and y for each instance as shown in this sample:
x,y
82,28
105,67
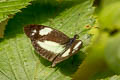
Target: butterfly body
x,y
52,44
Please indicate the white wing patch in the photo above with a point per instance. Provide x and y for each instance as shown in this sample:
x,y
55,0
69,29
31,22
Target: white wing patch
x,y
76,46
66,53
51,46
45,31
33,32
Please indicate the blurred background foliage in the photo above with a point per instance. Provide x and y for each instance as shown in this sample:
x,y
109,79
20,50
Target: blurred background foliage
x,y
103,59
102,56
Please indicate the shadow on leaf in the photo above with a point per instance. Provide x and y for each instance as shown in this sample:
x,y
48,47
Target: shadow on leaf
x,y
35,14
67,67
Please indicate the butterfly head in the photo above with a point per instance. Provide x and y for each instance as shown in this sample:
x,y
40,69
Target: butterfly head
x,y
76,36
30,30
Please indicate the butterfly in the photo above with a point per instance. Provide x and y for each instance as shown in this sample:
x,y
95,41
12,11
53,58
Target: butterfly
x,y
52,44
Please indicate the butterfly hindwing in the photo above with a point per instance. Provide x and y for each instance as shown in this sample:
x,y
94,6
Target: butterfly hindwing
x,y
73,49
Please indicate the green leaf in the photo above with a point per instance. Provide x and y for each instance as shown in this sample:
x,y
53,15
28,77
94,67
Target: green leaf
x,y
112,53
2,27
107,2
8,8
115,77
18,60
110,17
94,62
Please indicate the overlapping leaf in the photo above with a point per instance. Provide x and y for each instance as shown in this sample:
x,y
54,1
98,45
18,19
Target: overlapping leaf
x,y
8,8
11,7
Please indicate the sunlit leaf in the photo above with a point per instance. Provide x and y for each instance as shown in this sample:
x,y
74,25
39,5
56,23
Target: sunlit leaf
x,y
18,60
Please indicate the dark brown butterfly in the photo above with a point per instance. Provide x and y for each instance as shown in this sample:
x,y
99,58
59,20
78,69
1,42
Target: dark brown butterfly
x,y
52,44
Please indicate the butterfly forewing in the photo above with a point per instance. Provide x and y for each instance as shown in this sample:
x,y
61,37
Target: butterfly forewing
x,y
48,42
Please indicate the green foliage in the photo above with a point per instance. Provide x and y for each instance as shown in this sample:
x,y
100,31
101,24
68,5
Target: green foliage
x,y
8,8
99,58
108,2
94,62
18,60
110,17
112,78
2,27
103,55
112,53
